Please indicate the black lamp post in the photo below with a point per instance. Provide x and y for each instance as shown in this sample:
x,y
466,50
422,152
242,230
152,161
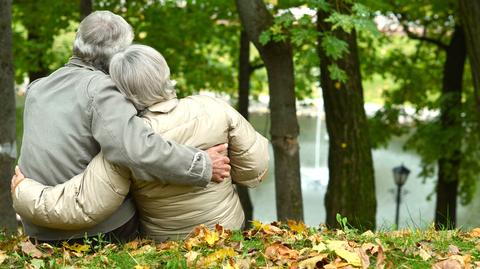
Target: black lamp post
x,y
400,174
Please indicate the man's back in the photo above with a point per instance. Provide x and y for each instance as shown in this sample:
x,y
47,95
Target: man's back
x,y
58,142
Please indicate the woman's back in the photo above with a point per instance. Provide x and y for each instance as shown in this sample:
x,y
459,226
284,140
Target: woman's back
x,y
202,122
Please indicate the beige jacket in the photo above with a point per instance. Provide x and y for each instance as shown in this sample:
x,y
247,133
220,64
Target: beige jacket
x,y
166,211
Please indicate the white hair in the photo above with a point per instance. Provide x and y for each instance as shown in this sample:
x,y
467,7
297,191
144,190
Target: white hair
x,y
100,35
142,75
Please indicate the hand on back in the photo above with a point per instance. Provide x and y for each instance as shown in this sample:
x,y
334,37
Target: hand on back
x,y
220,162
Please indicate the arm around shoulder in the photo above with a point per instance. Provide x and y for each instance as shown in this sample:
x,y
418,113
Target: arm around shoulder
x,y
126,140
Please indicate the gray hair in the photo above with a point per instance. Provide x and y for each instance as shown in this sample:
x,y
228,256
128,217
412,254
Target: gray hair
x,y
142,75
100,35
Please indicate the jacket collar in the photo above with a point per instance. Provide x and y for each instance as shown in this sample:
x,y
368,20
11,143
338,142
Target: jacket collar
x,y
76,61
164,107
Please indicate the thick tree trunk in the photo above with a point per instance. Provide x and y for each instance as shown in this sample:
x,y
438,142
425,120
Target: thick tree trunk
x,y
450,116
351,188
470,16
8,150
278,59
243,103
85,8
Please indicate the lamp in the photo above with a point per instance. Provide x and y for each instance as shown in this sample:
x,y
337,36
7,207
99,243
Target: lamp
x,y
400,175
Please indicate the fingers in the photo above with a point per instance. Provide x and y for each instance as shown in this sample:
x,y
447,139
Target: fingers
x,y
219,148
18,172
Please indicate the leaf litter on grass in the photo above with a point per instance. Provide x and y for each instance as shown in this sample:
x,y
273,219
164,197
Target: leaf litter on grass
x,y
266,245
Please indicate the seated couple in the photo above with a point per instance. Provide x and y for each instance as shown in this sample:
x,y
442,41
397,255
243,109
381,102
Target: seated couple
x,y
170,198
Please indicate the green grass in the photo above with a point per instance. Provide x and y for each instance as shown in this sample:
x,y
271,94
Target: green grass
x,y
265,245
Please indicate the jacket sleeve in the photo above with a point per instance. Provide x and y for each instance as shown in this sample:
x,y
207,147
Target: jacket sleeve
x,y
81,202
247,150
127,141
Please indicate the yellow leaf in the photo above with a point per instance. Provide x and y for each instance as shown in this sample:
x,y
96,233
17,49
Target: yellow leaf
x,y
424,254
298,227
351,257
320,247
311,263
211,237
256,225
336,244
78,248
219,255
3,256
138,266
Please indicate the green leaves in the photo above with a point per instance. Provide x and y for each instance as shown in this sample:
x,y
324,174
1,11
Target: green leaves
x,y
336,73
334,47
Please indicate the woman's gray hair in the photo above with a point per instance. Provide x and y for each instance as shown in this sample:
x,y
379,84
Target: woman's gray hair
x,y
142,75
100,35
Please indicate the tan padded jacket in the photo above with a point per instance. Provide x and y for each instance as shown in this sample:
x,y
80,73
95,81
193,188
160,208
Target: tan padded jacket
x,y
166,211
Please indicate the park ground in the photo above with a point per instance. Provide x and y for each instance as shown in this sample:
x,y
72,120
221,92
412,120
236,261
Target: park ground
x,y
275,245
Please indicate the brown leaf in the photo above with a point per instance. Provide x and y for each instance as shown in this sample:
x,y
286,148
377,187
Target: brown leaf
x,y
280,252
30,249
167,245
380,257
475,232
132,245
363,257
454,250
448,264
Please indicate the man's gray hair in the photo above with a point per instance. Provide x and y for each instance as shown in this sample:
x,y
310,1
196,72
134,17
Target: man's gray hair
x,y
100,35
142,75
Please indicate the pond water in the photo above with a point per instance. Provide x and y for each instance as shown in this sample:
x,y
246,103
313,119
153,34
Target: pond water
x,y
415,209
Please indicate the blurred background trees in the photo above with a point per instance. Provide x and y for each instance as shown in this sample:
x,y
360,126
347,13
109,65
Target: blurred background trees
x,y
407,55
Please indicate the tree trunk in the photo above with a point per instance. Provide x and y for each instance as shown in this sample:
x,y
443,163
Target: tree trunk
x,y
243,103
85,8
351,187
470,16
8,150
450,116
278,59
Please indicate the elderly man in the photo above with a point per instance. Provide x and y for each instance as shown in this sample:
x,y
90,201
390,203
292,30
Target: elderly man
x,y
76,111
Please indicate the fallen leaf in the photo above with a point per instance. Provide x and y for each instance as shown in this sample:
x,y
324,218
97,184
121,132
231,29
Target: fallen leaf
x,y
36,264
132,245
312,262
368,234
321,247
380,257
475,232
298,227
3,256
454,250
138,266
280,252
364,258
211,237
217,256
142,250
351,257
424,254
30,249
77,248
448,264
191,256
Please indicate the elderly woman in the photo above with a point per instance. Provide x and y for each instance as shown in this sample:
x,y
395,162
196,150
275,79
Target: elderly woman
x,y
166,211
